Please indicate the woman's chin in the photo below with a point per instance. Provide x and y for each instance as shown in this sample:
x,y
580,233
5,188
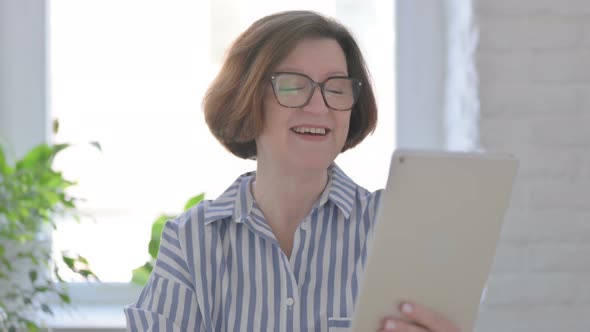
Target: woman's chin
x,y
313,163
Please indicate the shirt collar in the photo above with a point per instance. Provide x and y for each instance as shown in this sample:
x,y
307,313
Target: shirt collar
x,y
237,200
341,190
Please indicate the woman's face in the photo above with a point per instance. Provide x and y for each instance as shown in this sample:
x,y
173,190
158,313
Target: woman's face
x,y
309,137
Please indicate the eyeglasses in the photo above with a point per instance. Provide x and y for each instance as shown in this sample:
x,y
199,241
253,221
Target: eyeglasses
x,y
295,90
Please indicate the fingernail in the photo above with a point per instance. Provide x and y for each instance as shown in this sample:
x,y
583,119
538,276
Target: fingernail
x,y
389,325
407,308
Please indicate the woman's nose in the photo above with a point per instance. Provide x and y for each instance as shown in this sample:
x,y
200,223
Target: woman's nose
x,y
316,103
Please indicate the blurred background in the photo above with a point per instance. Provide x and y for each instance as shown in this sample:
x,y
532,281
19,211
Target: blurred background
x,y
494,75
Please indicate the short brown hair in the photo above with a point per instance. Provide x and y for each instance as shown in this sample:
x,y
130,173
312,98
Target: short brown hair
x,y
233,103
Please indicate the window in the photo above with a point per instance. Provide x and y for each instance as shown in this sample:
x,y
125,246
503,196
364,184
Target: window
x,y
131,74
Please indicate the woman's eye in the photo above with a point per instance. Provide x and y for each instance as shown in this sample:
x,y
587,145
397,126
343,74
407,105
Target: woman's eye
x,y
290,89
335,92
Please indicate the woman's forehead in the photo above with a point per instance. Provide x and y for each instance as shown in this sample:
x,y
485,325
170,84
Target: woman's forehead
x,y
315,56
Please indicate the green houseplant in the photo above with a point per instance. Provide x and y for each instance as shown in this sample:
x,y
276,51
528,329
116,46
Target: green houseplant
x,y
141,274
32,195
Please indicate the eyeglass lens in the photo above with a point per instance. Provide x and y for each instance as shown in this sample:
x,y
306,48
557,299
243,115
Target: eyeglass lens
x,y
294,90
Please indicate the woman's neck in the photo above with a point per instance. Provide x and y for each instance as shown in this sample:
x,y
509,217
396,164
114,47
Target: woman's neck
x,y
286,196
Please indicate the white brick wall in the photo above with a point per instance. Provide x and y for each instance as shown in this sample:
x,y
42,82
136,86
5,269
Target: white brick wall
x,y
533,62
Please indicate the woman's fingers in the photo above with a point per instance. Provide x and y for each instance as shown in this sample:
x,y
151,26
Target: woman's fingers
x,y
391,324
418,318
430,319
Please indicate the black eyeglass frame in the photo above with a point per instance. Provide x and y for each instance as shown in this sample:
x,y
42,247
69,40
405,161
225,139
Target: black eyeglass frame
x,y
315,84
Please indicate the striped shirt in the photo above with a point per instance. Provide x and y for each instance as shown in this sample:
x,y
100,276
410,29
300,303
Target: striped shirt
x,y
220,268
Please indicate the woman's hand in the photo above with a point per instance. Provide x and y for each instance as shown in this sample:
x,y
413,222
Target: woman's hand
x,y
418,319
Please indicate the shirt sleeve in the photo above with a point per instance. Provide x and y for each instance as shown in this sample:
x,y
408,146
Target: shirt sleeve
x,y
167,302
373,203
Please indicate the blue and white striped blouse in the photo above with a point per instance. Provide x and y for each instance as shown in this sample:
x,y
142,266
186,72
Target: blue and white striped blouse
x,y
220,268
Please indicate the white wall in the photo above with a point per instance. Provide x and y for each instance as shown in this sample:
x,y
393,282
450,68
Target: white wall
x,y
23,87
534,68
420,70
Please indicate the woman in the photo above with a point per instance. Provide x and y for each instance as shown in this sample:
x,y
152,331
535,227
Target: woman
x,y
283,248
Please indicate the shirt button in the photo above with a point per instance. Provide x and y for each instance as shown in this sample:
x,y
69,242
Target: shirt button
x,y
304,226
290,301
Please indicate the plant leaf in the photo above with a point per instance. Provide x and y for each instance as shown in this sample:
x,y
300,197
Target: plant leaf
x,y
86,273
65,298
7,264
41,289
194,201
57,275
157,228
4,168
96,144
59,147
141,274
33,275
69,261
37,156
46,308
55,126
82,260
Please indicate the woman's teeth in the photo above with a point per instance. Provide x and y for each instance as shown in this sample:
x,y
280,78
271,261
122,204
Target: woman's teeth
x,y
307,130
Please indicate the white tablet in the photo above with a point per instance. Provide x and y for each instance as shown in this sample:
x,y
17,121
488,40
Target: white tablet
x,y
436,233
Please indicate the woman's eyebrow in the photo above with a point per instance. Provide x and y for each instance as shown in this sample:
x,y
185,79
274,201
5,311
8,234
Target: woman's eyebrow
x,y
325,75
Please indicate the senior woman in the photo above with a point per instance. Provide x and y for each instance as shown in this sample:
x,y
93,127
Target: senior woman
x,y
284,247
